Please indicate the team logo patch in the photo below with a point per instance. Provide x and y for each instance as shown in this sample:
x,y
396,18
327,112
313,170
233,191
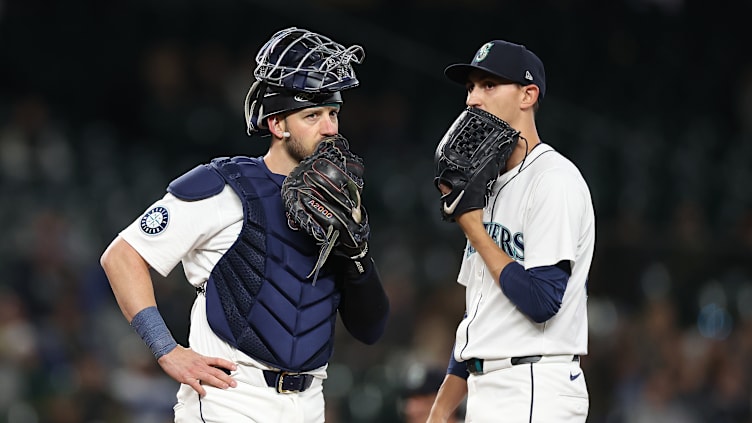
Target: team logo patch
x,y
483,52
155,221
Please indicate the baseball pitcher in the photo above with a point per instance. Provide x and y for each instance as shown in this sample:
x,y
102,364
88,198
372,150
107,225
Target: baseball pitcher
x,y
527,214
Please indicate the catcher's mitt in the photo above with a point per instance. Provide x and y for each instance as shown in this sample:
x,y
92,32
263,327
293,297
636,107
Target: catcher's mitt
x,y
322,196
469,158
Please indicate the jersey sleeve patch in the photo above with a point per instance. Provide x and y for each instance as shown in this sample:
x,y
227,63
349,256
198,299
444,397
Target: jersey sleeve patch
x,y
155,221
200,182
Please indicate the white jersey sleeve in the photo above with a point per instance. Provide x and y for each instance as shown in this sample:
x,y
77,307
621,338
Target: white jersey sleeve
x,y
197,233
554,217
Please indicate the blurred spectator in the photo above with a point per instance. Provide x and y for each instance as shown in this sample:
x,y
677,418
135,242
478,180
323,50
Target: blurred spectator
x,y
420,387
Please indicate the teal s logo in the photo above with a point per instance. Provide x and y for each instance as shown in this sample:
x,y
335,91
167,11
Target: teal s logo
x,y
482,52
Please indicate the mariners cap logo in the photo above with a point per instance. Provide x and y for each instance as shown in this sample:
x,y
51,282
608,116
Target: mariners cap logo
x,y
483,52
155,221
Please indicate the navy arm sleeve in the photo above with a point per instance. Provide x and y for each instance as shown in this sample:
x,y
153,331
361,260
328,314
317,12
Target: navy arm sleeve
x,y
364,306
537,292
457,368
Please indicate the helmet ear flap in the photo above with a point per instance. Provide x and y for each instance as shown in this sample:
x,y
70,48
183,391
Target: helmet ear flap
x,y
254,107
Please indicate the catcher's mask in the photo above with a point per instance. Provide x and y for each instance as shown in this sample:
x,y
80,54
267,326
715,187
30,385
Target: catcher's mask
x,y
297,69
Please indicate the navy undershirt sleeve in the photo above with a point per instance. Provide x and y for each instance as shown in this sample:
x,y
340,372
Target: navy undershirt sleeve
x,y
537,292
457,368
364,307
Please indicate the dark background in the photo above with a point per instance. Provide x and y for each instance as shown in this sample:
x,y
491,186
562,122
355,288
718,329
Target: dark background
x,y
103,103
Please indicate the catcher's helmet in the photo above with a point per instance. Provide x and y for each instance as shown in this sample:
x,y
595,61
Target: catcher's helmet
x,y
296,69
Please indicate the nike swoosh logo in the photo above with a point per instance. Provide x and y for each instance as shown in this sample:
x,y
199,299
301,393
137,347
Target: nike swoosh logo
x,y
573,377
450,209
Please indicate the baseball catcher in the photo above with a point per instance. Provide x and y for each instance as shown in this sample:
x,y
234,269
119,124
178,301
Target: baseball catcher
x,y
322,196
261,334
469,158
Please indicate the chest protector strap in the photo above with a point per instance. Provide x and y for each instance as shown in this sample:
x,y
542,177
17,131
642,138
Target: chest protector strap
x,y
258,297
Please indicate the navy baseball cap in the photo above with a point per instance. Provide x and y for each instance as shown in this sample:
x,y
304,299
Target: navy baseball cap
x,y
510,61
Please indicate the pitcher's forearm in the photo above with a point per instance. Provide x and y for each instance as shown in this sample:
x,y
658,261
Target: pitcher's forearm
x,y
451,393
493,256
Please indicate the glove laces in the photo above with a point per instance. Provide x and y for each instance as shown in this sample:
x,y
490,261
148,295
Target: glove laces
x,y
326,249
331,239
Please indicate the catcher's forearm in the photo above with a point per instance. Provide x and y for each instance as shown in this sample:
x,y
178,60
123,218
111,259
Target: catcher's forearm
x,y
131,283
151,327
129,278
364,307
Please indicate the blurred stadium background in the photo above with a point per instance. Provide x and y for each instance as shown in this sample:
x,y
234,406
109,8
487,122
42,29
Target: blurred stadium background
x,y
103,103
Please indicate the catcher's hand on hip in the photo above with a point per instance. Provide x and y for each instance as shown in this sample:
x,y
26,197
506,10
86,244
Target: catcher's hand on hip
x,y
193,369
469,158
322,196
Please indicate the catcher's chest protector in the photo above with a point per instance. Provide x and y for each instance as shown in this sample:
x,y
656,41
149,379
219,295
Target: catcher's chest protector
x,y
257,297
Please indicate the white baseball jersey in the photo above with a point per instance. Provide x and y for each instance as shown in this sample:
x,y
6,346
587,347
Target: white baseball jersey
x,y
540,213
196,233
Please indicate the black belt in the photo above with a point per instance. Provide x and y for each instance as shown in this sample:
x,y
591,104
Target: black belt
x,y
288,383
475,365
526,360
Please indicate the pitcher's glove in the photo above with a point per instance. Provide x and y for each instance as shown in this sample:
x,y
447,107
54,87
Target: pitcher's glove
x,y
322,196
469,158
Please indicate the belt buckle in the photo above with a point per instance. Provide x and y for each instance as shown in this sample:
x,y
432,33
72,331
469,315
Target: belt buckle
x,y
280,383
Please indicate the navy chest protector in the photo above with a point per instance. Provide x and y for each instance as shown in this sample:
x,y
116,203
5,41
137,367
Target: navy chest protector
x,y
258,298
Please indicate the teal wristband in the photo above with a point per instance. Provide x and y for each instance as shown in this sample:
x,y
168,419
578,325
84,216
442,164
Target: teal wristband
x,y
150,326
